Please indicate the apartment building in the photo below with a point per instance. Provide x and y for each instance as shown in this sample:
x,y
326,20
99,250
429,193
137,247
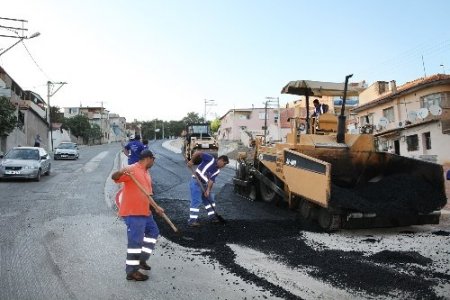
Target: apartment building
x,y
31,114
413,119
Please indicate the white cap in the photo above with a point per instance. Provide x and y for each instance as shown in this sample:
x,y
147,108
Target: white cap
x,y
132,137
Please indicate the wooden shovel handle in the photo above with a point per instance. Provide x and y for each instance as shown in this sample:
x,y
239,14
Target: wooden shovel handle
x,y
165,217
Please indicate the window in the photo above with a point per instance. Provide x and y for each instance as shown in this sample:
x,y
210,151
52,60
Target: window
x,y
427,140
429,100
262,116
412,142
388,113
365,120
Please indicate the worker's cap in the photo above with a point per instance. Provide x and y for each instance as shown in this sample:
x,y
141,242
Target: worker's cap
x,y
146,153
132,137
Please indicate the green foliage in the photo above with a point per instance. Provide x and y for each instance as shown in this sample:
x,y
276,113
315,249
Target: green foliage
x,y
215,124
94,133
192,117
56,116
79,126
7,116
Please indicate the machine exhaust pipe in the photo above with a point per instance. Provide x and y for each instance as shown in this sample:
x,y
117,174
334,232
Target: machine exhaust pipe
x,y
340,137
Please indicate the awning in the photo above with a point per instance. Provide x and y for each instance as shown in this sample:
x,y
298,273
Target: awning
x,y
320,88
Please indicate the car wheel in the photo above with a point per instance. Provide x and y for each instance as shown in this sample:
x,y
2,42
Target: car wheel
x,y
38,176
55,158
48,171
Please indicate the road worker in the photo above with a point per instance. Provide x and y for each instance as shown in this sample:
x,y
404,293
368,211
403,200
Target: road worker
x,y
142,231
206,174
133,148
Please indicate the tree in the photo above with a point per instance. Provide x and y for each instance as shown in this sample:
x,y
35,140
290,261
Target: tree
x,y
94,133
192,117
79,126
56,115
7,116
215,124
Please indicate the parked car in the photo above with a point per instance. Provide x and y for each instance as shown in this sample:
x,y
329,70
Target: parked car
x,y
66,150
25,162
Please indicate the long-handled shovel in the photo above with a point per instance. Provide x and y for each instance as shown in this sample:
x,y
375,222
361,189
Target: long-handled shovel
x,y
219,217
165,217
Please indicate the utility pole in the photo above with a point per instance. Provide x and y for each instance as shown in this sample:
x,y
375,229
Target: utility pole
x,y
276,100
265,122
49,95
155,129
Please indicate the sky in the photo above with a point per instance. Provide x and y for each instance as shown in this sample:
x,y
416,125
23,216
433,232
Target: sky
x,y
165,58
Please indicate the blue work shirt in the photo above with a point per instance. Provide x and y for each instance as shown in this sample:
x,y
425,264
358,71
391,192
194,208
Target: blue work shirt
x,y
207,170
134,149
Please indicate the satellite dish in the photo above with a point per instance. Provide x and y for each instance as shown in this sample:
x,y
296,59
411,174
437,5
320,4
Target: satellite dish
x,y
422,113
435,110
383,122
412,116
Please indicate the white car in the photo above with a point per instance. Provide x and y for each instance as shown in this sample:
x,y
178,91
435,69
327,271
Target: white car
x,y
25,162
66,150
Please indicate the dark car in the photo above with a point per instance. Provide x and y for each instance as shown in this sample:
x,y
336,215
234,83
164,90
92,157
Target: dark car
x,y
25,162
66,150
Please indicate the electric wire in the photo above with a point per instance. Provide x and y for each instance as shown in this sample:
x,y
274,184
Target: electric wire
x,y
35,62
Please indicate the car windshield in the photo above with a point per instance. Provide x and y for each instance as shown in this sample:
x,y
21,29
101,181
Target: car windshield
x,y
28,154
66,146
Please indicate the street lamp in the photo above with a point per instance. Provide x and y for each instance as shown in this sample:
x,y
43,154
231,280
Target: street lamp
x,y
443,69
36,34
208,102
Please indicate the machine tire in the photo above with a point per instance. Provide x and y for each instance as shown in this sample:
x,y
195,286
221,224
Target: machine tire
x,y
306,209
327,220
266,194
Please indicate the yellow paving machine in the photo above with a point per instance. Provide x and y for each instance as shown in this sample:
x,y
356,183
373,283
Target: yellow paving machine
x,y
336,178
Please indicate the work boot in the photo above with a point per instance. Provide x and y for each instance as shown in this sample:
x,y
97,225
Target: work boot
x,y
143,265
213,220
194,224
137,276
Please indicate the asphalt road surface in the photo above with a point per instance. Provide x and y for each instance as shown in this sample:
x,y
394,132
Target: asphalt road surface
x,y
60,239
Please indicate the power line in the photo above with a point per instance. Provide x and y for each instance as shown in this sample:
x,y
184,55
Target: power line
x,y
35,62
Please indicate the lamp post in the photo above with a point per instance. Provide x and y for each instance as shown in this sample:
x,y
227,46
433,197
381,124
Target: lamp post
x,y
36,34
208,102
49,95
443,68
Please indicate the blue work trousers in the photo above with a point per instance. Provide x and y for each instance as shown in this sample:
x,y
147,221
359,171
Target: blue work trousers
x,y
142,233
197,198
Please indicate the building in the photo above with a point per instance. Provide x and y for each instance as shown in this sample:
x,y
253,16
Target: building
x,y
248,123
413,119
118,131
31,113
96,115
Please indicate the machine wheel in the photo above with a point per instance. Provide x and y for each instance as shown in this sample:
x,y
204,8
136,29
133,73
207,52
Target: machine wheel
x,y
266,193
327,220
306,209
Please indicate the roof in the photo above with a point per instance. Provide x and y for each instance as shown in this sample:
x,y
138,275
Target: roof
x,y
243,110
409,87
320,88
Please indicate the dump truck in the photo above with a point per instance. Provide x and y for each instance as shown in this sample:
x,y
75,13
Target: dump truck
x,y
198,136
336,178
